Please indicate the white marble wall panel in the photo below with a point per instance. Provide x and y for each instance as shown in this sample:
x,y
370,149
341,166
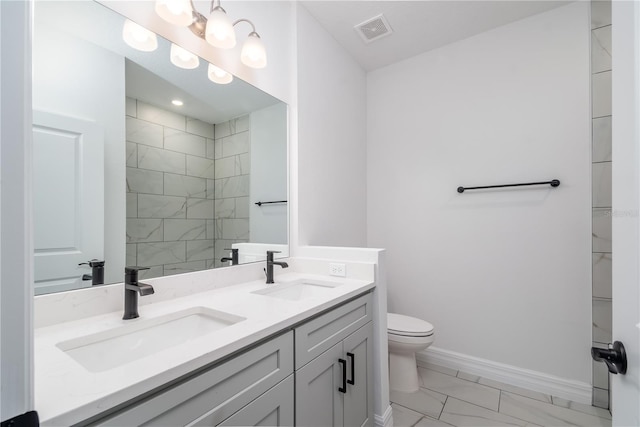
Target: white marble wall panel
x,y
211,189
144,230
225,208
601,264
242,207
160,253
200,208
601,49
200,250
132,205
601,321
236,144
162,117
211,228
218,229
235,228
184,267
132,154
131,254
143,132
211,149
600,13
236,186
201,167
153,271
601,94
183,185
144,181
152,206
602,139
225,167
198,127
601,185
184,142
241,124
217,188
243,164
601,232
185,229
160,160
130,107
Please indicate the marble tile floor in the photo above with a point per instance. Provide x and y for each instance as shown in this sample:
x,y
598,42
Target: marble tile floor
x,y
454,398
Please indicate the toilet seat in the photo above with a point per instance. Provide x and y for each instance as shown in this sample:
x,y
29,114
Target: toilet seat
x,y
406,326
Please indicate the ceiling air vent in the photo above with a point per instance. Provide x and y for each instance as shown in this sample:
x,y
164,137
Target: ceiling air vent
x,y
373,29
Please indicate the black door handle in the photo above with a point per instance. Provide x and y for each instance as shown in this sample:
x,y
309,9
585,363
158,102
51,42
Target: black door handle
x,y
343,389
615,357
352,381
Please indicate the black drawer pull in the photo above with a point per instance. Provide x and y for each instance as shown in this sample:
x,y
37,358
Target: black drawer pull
x,y
352,381
343,389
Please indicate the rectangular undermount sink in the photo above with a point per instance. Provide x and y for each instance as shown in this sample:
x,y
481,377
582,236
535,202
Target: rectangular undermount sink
x,y
298,290
118,346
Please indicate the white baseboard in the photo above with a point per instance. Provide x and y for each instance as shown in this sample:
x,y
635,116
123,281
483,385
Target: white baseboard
x,y
575,391
384,420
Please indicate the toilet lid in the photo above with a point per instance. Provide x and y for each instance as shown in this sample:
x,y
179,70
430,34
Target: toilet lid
x,y
406,325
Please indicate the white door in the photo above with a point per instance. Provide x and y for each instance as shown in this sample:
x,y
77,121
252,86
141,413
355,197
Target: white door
x,y
68,204
625,389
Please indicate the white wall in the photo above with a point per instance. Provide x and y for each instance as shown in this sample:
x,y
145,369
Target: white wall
x,y
64,82
503,275
331,140
268,223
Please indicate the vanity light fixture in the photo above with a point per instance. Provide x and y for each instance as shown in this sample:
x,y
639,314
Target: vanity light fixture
x,y
218,75
182,58
139,37
218,30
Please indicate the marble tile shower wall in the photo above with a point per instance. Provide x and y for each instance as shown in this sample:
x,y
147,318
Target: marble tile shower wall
x,y
176,166
601,190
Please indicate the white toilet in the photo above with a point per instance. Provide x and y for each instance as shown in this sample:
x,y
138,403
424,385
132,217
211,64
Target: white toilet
x,y
406,336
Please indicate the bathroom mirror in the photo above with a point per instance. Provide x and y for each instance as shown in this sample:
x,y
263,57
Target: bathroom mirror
x,y
124,176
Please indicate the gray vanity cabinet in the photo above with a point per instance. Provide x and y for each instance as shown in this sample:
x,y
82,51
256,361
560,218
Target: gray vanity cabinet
x,y
334,387
216,396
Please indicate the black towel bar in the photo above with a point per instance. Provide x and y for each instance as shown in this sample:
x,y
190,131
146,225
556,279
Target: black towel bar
x,y
270,203
553,183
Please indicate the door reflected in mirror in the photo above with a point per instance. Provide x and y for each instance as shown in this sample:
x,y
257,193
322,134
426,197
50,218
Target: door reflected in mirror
x,y
124,175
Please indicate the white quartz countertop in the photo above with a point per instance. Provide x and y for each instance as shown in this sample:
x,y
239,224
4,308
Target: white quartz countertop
x,y
67,393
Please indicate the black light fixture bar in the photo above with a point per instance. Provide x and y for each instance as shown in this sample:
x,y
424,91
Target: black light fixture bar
x,y
270,203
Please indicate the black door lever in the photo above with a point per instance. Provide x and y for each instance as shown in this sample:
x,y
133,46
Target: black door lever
x,y
615,357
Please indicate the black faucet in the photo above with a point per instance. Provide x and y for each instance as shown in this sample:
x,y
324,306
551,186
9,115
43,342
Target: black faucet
x,y
271,263
131,290
234,257
97,272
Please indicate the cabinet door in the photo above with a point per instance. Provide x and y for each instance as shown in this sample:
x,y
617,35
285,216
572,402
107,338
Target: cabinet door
x,y
318,401
358,401
274,408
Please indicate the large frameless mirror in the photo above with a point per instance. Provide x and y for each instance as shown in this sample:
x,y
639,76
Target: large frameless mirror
x,y
140,162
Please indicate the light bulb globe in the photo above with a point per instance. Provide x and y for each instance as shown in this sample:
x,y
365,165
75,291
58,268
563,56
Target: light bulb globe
x,y
182,58
218,75
176,12
253,53
139,37
219,31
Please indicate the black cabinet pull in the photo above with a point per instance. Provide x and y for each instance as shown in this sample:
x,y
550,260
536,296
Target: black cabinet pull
x,y
343,389
352,381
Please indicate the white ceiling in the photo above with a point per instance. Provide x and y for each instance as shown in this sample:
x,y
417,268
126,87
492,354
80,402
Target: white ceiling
x,y
418,26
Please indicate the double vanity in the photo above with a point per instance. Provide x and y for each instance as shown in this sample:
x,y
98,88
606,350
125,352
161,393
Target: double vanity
x,y
205,352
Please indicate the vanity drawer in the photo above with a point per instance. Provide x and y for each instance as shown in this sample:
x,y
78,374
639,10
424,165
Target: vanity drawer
x,y
217,393
320,334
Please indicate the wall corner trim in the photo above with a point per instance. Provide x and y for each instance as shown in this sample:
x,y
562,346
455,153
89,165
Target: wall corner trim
x,y
575,391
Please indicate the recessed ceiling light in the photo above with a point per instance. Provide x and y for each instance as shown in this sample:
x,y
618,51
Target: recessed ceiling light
x,y
177,102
